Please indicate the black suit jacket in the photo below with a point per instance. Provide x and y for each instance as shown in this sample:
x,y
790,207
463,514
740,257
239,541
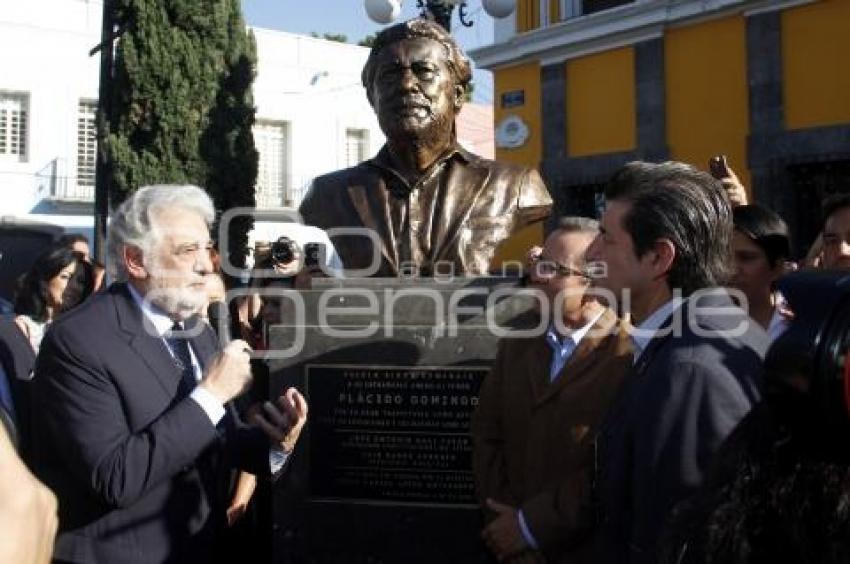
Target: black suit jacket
x,y
138,472
18,359
679,402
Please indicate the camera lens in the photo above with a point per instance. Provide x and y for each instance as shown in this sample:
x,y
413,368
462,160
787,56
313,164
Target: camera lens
x,y
283,250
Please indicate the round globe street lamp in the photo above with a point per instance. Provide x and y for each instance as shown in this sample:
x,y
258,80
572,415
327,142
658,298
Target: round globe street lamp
x,y
387,11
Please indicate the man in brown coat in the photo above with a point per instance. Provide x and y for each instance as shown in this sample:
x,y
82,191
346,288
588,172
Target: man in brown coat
x,y
539,409
432,206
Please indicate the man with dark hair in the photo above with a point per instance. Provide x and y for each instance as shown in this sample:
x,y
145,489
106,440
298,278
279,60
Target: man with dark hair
x,y
761,246
836,232
76,242
663,250
539,406
432,206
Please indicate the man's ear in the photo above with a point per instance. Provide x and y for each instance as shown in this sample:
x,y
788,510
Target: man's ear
x,y
460,97
134,262
664,253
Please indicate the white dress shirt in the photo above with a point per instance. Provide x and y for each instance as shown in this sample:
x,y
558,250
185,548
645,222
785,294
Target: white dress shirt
x,y
162,324
563,347
648,328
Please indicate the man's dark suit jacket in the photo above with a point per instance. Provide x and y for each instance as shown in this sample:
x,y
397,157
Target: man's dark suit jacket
x,y
139,473
467,206
678,404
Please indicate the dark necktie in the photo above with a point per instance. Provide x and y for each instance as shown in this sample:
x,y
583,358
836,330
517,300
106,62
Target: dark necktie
x,y
183,358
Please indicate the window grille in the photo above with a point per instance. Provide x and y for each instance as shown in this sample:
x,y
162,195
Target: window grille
x,y
13,126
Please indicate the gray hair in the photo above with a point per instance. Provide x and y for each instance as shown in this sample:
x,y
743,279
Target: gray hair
x,y
577,224
132,223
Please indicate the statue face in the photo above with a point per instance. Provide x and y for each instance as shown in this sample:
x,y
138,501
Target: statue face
x,y
414,92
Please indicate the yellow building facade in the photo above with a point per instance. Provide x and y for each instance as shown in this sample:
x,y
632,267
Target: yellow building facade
x,y
598,83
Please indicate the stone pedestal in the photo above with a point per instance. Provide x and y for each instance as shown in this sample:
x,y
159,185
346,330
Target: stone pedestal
x,y
391,370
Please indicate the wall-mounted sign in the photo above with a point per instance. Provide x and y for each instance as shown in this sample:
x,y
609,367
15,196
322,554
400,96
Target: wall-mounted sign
x,y
511,133
513,98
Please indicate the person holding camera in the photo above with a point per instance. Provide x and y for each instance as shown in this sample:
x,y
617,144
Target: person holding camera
x,y
283,264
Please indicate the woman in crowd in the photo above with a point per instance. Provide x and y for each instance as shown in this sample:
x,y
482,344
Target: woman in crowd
x,y
761,246
59,280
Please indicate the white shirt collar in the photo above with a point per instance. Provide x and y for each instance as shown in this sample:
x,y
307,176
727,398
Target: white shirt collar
x,y
778,324
159,320
645,332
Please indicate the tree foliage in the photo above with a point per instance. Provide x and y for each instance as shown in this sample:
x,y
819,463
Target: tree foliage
x,y
182,108
367,41
338,37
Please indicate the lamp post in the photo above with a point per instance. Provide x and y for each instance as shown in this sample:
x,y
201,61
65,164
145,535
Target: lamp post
x,y
110,31
101,180
387,11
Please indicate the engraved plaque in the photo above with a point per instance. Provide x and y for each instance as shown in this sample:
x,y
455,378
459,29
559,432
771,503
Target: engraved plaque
x,y
382,472
392,434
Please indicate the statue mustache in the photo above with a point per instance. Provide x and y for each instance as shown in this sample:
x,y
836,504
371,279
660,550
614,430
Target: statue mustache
x,y
406,103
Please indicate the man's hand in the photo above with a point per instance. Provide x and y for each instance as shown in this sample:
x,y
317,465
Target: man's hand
x,y
283,420
735,190
235,513
27,511
245,486
289,269
230,373
502,535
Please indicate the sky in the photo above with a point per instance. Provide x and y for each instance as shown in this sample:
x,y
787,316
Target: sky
x,y
349,17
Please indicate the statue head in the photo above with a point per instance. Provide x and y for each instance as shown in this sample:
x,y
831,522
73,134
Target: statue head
x,y
416,79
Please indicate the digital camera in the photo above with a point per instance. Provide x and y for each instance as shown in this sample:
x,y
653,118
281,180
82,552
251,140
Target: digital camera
x,y
284,251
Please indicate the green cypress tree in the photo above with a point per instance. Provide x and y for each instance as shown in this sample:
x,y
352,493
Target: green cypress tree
x,y
227,145
182,108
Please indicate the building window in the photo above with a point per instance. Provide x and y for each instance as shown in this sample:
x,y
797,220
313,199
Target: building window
x,y
270,139
13,126
356,146
86,143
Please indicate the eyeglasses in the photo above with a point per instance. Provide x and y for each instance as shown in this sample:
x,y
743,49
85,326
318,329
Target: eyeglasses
x,y
548,268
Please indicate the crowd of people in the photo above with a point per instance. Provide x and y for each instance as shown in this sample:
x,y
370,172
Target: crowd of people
x,y
638,428
652,440
607,439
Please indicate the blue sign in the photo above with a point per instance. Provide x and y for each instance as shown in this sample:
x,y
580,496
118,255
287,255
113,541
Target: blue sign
x,y
513,98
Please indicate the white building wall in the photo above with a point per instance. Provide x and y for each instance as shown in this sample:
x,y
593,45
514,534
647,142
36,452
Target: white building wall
x,y
314,85
45,45
311,84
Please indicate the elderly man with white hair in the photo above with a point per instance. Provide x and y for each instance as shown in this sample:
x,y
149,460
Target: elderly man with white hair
x,y
134,430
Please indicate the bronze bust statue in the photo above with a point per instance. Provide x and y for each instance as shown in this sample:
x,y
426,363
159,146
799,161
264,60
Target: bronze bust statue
x,y
435,207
